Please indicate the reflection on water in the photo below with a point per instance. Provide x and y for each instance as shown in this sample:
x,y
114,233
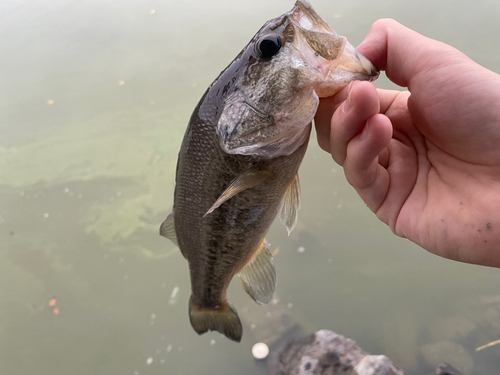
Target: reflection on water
x,y
95,97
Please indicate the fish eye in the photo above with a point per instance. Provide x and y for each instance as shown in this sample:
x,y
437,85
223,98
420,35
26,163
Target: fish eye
x,y
269,46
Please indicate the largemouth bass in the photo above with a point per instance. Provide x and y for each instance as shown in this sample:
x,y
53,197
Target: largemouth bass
x,y
238,163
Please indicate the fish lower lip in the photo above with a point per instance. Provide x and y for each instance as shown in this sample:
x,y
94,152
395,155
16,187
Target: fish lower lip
x,y
365,77
374,75
369,75
372,72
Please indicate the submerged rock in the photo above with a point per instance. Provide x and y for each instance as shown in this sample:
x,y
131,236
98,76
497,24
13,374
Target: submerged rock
x,y
446,369
401,339
450,328
327,353
448,351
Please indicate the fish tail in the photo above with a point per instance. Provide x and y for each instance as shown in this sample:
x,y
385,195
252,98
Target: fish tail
x,y
223,319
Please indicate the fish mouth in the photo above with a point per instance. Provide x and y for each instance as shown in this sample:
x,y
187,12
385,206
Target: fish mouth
x,y
334,60
359,64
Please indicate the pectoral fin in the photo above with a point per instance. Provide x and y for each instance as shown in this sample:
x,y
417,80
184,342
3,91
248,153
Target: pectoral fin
x,y
246,180
167,229
290,205
259,276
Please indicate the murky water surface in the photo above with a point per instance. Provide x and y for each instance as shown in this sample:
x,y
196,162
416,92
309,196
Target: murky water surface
x,y
94,100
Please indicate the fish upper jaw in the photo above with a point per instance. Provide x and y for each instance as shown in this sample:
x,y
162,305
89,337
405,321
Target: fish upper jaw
x,y
330,57
329,76
304,15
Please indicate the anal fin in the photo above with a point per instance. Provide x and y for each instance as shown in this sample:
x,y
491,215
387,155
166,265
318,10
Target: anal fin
x,y
167,229
223,319
291,204
259,276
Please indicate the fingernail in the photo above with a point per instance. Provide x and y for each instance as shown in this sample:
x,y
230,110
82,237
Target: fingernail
x,y
348,103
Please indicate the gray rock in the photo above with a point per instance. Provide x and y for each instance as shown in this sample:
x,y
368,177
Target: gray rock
x,y
376,365
327,353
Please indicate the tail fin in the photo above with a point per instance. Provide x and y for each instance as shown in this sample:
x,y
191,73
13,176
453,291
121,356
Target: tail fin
x,y
223,319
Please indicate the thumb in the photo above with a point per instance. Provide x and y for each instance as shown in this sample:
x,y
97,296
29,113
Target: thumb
x,y
404,53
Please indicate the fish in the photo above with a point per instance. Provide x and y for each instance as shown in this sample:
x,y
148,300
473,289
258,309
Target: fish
x,y
238,163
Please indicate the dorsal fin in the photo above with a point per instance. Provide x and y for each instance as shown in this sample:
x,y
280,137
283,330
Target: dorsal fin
x,y
246,180
291,204
167,229
259,276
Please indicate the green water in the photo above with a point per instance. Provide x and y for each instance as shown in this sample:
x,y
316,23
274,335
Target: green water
x,y
94,100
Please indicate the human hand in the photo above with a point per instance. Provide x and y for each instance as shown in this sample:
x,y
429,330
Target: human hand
x,y
427,161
